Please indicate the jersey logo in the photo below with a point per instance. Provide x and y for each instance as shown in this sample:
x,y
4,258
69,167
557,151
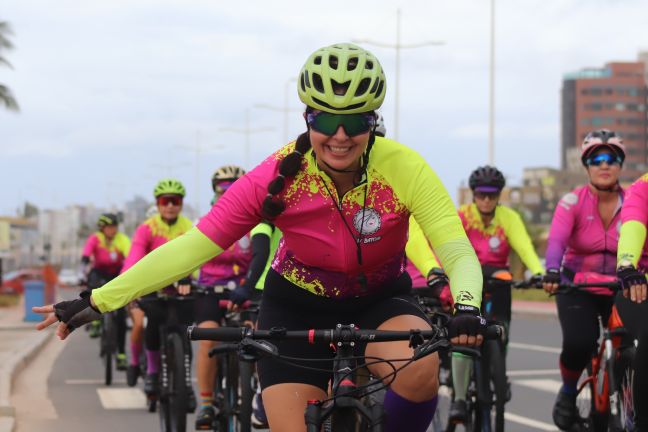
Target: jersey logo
x,y
568,201
367,221
464,296
494,242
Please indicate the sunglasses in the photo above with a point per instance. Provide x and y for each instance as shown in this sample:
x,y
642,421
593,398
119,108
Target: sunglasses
x,y
483,195
353,124
222,186
603,157
165,200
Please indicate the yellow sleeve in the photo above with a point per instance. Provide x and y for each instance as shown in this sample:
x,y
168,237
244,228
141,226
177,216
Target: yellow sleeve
x,y
631,241
519,239
418,249
163,266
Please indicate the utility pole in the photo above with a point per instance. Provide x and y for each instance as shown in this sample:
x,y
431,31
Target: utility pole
x,y
247,131
398,46
491,100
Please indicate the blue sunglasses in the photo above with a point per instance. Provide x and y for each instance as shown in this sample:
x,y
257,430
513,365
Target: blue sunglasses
x,y
603,157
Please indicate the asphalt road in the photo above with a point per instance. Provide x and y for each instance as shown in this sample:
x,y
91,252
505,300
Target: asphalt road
x,y
74,398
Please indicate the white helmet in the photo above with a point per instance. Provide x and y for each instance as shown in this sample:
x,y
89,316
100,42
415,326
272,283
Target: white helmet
x,y
380,129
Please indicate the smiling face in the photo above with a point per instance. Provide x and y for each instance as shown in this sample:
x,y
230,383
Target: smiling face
x,y
339,151
604,176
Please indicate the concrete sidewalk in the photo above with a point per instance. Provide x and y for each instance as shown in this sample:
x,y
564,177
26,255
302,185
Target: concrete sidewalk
x,y
19,343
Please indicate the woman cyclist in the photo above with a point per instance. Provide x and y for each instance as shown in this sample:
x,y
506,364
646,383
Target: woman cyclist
x,y
632,262
493,230
223,272
105,251
157,230
583,238
342,198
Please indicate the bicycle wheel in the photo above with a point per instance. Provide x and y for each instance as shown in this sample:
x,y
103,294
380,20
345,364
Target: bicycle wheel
x,y
248,389
495,359
173,398
621,396
107,345
587,417
232,392
220,403
344,420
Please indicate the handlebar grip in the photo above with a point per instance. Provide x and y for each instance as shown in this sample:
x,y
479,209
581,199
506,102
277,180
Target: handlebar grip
x,y
225,334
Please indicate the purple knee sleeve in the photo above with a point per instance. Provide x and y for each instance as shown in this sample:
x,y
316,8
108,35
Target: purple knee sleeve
x,y
404,415
152,362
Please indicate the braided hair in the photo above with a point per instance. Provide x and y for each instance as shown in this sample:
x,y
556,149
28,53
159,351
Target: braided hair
x,y
290,166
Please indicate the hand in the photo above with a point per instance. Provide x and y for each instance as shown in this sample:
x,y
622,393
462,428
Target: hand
x,y
184,286
437,278
551,281
536,280
238,296
633,282
72,314
466,326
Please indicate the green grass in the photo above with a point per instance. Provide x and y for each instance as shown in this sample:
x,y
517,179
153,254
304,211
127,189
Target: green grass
x,y
531,295
7,300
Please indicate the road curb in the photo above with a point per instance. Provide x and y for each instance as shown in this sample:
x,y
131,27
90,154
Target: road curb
x,y
11,369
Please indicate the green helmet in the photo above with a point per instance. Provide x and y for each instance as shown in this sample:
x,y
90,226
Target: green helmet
x,y
169,186
107,219
342,79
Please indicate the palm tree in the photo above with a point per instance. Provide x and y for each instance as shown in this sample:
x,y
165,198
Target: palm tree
x,y
5,44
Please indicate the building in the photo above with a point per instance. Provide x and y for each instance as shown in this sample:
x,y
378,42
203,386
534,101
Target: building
x,y
22,248
612,97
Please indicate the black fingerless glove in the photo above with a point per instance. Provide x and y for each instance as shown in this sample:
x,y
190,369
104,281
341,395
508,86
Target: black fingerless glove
x,y
436,278
75,313
536,280
552,276
184,281
629,276
466,321
240,294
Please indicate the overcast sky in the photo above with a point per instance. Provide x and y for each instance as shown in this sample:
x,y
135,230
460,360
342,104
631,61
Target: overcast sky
x,y
111,90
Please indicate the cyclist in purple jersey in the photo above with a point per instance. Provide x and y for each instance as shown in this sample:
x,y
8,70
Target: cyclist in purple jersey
x,y
583,238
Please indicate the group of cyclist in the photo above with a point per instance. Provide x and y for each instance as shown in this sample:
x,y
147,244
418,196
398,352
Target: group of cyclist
x,y
350,202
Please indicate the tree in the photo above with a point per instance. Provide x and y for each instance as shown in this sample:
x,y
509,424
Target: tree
x,y
6,97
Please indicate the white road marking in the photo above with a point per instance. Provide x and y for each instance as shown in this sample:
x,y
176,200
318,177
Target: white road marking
x,y
529,422
92,381
122,398
548,385
532,372
531,347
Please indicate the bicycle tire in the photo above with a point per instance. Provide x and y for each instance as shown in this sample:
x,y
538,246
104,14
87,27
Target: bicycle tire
x,y
344,420
621,395
248,390
107,346
232,392
220,421
178,394
493,351
587,417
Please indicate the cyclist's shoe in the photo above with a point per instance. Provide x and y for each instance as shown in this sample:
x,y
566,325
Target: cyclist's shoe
x,y
205,418
458,411
564,410
259,417
122,362
509,394
132,374
152,384
95,329
191,400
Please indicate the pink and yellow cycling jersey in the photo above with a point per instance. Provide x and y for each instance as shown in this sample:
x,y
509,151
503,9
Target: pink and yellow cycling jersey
x,y
578,240
107,256
230,266
318,251
152,234
633,248
493,243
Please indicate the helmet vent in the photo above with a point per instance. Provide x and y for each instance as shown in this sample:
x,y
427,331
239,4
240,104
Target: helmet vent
x,y
340,89
363,87
317,83
339,109
317,60
333,62
375,86
369,65
301,82
352,64
380,88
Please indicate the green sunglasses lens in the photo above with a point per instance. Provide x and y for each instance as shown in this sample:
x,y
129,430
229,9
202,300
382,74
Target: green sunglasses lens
x,y
328,124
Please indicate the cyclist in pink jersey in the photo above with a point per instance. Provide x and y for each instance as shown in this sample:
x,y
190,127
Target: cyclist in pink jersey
x,y
583,239
342,198
632,262
224,272
494,231
104,254
157,230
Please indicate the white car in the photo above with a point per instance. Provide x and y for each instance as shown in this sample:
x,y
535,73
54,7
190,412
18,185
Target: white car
x,y
69,277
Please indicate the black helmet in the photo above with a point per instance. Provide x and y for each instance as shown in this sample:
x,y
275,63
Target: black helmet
x,y
107,219
487,177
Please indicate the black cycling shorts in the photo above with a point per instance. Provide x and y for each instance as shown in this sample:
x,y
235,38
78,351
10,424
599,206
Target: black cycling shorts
x,y
287,305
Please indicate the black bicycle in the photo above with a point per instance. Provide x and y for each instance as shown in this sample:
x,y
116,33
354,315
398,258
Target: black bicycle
x,y
175,364
349,408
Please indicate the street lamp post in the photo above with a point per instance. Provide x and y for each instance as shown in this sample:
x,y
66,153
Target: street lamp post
x,y
398,46
491,103
285,109
247,131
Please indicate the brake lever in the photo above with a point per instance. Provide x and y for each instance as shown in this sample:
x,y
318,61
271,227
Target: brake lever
x,y
257,348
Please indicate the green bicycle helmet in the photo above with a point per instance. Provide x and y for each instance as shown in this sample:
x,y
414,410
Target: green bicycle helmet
x,y
107,219
169,186
342,79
